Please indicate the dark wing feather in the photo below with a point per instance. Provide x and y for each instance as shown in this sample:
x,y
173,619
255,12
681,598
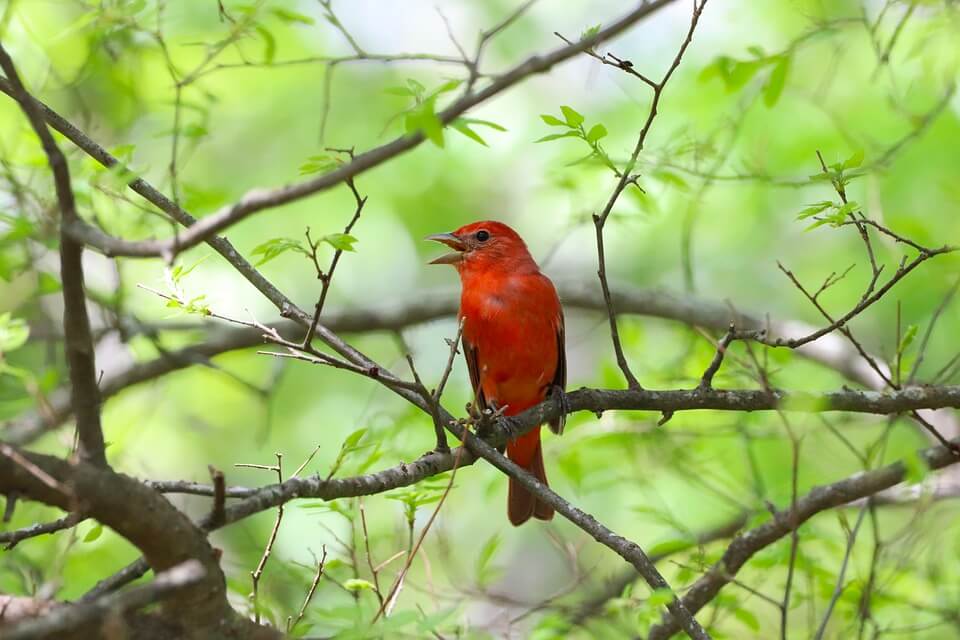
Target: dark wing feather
x,y
560,377
473,366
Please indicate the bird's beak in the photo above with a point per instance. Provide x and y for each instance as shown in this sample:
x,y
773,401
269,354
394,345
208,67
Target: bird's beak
x,y
451,241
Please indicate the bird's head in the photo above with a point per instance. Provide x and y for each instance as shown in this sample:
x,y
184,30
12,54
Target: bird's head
x,y
483,247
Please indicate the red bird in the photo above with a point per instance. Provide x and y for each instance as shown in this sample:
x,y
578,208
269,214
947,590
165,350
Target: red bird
x,y
512,339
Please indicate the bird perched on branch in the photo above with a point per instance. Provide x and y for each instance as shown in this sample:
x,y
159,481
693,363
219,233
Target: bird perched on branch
x,y
513,340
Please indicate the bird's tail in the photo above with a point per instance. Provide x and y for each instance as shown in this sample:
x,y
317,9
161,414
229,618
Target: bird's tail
x,y
525,451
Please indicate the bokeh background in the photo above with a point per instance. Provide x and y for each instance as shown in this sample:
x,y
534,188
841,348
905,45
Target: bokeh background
x,y
725,172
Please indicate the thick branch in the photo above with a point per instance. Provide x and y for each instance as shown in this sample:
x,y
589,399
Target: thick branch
x,y
141,515
69,619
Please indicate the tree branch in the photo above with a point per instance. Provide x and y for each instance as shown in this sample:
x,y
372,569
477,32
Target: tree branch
x,y
783,522
259,200
69,619
78,343
141,515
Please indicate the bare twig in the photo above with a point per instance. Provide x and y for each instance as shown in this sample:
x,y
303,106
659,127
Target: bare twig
x,y
626,178
13,538
326,277
268,549
291,625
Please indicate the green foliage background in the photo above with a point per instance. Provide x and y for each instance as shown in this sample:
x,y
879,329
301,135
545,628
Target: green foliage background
x,y
764,86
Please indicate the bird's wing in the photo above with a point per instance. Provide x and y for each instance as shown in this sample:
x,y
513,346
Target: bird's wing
x,y
560,376
473,366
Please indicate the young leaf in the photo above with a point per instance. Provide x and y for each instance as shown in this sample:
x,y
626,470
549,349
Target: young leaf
x,y
573,117
269,45
590,32
484,123
814,209
275,247
853,161
553,121
340,241
13,333
776,81
908,336
94,533
596,132
660,597
460,125
289,16
557,136
400,91
357,584
319,164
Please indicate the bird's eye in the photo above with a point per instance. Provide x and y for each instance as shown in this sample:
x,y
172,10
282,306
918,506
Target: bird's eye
x,y
483,235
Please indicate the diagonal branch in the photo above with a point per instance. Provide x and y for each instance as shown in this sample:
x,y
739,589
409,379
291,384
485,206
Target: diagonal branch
x,y
262,199
746,544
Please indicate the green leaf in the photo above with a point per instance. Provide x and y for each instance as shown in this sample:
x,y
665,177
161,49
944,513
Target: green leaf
x,y
669,177
557,136
289,16
553,121
596,132
814,209
447,86
573,117
660,597
907,339
484,123
853,161
465,129
741,72
668,547
426,121
357,584
400,91
846,209
916,467
276,247
47,283
486,554
179,272
353,439
416,88
13,333
269,45
192,130
340,241
590,32
776,81
319,164
94,533
747,618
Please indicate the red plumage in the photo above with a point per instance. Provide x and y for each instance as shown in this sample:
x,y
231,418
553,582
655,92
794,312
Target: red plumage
x,y
513,339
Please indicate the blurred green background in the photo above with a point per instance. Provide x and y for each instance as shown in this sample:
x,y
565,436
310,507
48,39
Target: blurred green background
x,y
726,170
